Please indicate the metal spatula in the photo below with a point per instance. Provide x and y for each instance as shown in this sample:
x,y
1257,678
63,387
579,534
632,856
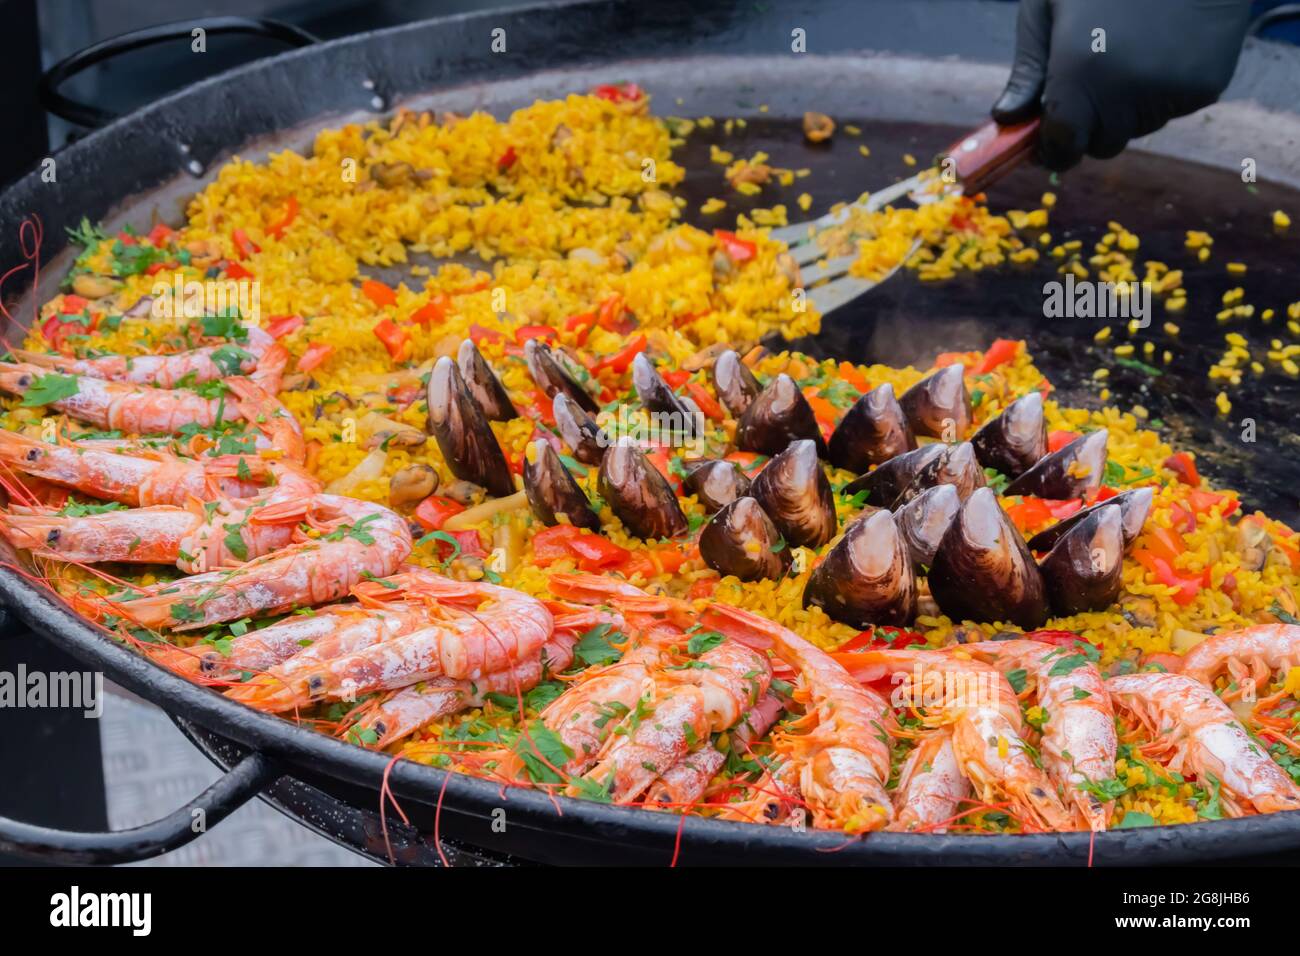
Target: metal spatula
x,y
968,166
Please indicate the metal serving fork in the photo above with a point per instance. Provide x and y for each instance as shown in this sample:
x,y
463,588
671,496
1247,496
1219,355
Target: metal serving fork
x,y
975,161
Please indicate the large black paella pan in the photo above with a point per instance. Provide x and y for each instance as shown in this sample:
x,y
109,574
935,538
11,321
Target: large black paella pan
x,y
912,75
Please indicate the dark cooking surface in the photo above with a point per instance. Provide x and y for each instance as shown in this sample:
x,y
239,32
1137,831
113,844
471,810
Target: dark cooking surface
x,y
1158,198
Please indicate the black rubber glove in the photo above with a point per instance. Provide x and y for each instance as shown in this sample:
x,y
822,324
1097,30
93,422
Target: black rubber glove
x,y
1162,59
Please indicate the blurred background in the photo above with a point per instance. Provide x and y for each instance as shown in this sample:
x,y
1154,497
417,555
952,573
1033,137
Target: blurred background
x,y
132,765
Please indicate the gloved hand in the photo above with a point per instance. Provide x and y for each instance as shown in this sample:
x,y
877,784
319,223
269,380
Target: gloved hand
x,y
1162,59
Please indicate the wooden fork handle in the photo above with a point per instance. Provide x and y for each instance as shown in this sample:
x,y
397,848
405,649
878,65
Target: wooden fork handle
x,y
985,155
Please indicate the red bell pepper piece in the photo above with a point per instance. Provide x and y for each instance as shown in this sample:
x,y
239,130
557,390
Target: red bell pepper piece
x,y
708,404
73,304
316,354
1184,466
621,360
278,326
849,372
432,513
378,293
526,332
235,271
159,235
395,338
479,334
432,312
284,222
738,250
1059,439
1187,586
1031,513
1000,352
676,378
618,92
245,246
507,159
1205,501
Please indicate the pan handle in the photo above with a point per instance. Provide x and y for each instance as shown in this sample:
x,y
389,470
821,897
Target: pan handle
x,y
984,156
69,847
84,114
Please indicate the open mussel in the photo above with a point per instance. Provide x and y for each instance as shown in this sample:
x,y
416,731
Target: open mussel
x,y
1075,471
579,430
483,384
873,431
463,434
735,383
553,376
867,578
658,398
957,466
1084,571
552,491
925,519
1014,441
641,497
1134,506
716,483
741,540
887,482
794,491
984,572
779,415
939,405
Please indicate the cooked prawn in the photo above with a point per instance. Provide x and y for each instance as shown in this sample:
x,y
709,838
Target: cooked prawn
x,y
357,540
930,785
255,352
1249,656
140,476
464,645
1197,734
142,410
843,760
1079,742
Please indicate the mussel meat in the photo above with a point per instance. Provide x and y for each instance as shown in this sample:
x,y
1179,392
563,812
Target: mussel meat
x,y
867,577
1084,572
1134,506
873,431
957,466
553,377
735,383
657,397
640,497
579,430
779,415
483,384
925,519
552,490
463,434
1075,471
794,491
983,571
1014,441
741,540
887,482
939,405
716,483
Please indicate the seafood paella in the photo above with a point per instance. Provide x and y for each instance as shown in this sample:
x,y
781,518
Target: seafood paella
x,y
575,518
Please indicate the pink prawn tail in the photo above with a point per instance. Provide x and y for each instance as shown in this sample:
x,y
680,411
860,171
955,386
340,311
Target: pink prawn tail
x,y
265,412
740,625
590,588
269,373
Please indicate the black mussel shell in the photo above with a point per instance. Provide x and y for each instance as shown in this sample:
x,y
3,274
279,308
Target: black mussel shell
x,y
463,434
1134,506
939,405
925,519
779,415
483,384
716,483
579,430
887,482
1084,572
641,497
741,540
957,466
1075,471
658,398
735,383
552,491
873,431
983,571
552,377
794,491
1014,441
867,578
